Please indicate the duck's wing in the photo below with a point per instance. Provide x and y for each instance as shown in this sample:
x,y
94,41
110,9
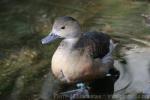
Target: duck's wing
x,y
96,43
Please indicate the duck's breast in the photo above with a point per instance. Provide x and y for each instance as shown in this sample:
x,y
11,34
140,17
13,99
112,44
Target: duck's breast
x,y
71,64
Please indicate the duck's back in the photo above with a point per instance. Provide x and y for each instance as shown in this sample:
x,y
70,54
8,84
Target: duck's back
x,y
96,43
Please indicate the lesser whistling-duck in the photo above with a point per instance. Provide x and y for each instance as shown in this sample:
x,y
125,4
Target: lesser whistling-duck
x,y
80,56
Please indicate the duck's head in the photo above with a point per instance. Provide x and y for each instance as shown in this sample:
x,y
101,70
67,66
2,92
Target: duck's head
x,y
63,27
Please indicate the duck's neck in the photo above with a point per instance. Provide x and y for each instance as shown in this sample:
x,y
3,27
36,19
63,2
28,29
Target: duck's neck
x,y
70,42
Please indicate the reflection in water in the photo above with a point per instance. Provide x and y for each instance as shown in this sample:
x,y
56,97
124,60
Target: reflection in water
x,y
135,75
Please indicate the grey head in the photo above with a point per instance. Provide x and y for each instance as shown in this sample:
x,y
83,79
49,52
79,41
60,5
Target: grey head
x,y
63,27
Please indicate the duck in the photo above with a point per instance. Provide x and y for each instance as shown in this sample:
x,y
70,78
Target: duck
x,y
81,56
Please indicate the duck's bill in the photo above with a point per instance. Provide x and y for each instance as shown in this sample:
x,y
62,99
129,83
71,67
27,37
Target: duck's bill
x,y
50,38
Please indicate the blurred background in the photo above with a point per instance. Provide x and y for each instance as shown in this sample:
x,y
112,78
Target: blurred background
x,y
25,72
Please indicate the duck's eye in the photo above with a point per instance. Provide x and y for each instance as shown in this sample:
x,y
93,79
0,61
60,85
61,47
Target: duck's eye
x,y
63,27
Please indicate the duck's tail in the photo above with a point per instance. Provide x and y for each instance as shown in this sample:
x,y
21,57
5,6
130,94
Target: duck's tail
x,y
112,46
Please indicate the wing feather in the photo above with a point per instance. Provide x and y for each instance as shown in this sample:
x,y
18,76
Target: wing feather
x,y
97,44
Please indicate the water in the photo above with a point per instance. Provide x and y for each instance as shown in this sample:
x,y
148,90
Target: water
x,y
135,75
